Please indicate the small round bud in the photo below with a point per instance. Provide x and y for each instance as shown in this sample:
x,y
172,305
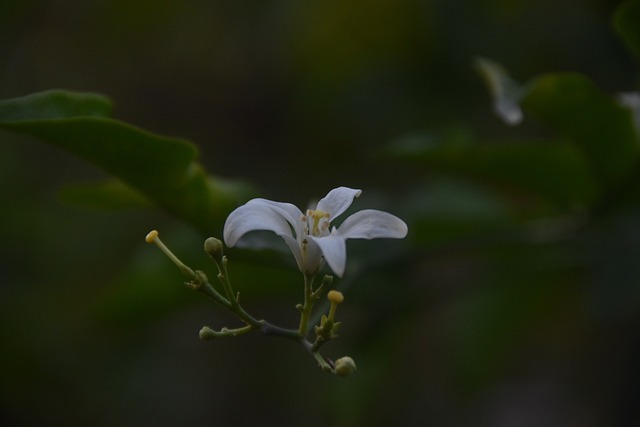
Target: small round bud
x,y
206,333
153,234
335,297
344,366
214,248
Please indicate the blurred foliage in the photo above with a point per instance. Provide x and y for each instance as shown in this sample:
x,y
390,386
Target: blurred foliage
x,y
163,169
513,301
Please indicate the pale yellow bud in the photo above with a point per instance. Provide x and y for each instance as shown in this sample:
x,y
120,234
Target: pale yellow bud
x,y
335,297
206,333
344,366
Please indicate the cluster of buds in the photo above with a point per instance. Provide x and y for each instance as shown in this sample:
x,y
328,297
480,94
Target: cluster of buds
x,y
229,299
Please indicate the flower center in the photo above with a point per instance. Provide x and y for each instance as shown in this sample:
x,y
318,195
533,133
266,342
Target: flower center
x,y
320,222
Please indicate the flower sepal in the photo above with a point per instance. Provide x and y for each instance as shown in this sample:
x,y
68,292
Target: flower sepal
x,y
198,281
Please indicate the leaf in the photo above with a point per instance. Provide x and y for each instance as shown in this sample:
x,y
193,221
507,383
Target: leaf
x,y
165,170
556,171
54,104
112,194
446,210
597,123
626,21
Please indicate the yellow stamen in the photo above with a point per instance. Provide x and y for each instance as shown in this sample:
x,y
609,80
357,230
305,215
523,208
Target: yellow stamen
x,y
317,215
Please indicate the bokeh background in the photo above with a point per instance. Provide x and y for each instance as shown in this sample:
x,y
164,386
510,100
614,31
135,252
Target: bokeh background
x,y
497,310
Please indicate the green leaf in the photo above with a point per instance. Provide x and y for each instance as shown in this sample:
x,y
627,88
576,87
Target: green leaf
x,y
597,123
112,194
165,170
55,104
626,20
556,171
446,210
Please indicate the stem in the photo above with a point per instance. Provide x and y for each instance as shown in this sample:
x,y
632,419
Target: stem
x,y
200,282
223,277
327,281
323,363
233,302
267,328
332,311
206,288
309,300
152,237
313,350
208,333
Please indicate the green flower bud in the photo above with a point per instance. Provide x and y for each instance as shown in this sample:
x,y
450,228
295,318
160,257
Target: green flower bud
x,y
206,333
344,366
214,248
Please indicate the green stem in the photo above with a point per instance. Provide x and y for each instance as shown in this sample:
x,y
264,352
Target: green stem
x,y
313,350
323,363
309,300
233,300
263,326
223,277
188,272
208,333
200,282
206,288
327,281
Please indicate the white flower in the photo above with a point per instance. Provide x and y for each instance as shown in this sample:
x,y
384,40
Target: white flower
x,y
308,235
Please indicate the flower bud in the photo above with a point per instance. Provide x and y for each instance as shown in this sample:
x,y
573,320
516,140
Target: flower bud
x,y
153,235
206,333
335,297
344,366
214,248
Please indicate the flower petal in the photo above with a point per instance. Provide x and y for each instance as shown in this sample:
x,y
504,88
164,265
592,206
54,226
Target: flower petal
x,y
334,250
295,249
313,260
372,224
337,201
290,212
258,214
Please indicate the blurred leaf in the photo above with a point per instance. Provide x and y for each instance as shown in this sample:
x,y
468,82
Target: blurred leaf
x,y
601,127
626,21
554,170
447,210
54,104
161,168
149,288
112,194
